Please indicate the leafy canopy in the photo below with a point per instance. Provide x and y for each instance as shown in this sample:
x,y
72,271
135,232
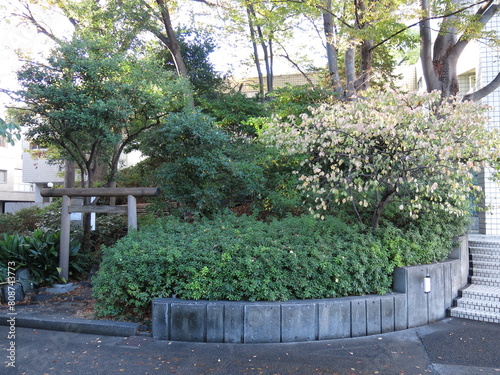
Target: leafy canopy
x,y
390,147
91,100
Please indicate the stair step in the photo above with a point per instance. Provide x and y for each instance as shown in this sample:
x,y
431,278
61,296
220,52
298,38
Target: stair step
x,y
486,264
484,251
482,292
485,258
484,272
484,316
480,305
489,281
488,244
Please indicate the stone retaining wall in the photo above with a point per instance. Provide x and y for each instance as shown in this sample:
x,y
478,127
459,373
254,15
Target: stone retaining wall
x,y
307,320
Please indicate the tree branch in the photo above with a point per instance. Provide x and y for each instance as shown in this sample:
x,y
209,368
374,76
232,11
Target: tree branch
x,y
426,19
486,90
486,13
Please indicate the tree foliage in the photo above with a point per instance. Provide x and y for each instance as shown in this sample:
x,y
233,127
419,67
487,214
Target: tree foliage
x,y
90,101
11,132
390,148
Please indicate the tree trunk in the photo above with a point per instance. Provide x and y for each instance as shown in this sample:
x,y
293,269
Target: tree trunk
x,y
366,50
331,50
255,53
366,55
350,72
173,46
439,62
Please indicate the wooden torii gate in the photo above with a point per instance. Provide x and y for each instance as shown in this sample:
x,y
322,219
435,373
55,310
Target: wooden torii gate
x,y
67,208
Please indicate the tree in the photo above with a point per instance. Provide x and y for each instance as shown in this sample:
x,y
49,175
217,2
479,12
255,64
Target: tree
x,y
90,102
200,165
409,150
125,19
195,45
457,30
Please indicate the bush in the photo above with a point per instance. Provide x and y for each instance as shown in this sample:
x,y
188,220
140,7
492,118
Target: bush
x,y
23,221
240,258
203,167
411,150
39,253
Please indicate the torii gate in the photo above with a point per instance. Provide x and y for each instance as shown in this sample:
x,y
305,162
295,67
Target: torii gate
x,y
67,208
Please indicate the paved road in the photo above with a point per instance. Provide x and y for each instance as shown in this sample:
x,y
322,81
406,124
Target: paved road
x,y
449,347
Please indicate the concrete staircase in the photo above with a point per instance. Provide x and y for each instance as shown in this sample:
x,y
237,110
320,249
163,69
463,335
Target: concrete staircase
x,y
480,300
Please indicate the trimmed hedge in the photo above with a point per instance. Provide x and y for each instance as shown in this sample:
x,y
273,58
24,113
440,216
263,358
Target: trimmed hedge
x,y
240,258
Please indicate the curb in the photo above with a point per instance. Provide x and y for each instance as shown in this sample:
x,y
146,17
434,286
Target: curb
x,y
100,327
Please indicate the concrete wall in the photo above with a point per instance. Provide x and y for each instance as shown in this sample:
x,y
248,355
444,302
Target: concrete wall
x,y
308,320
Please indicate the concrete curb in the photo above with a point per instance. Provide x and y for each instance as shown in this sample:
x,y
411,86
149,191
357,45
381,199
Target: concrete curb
x,y
100,327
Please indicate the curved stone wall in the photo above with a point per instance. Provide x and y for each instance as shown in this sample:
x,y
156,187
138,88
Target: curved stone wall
x,y
307,320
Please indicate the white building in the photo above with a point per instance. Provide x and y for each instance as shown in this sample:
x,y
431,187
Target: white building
x,y
488,66
14,192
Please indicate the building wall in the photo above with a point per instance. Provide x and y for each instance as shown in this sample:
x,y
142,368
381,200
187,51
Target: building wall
x,y
489,62
12,187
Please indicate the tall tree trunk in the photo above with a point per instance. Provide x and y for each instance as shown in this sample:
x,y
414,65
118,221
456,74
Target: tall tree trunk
x,y
366,56
350,72
366,50
255,53
173,46
331,49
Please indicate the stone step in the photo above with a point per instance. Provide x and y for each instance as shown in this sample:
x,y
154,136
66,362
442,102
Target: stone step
x,y
485,258
477,304
484,316
485,272
485,264
482,292
488,281
486,244
484,251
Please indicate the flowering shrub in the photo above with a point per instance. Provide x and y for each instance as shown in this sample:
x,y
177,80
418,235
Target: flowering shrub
x,y
405,149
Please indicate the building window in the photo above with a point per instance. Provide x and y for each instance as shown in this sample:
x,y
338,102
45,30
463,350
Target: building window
x,y
19,185
3,176
3,142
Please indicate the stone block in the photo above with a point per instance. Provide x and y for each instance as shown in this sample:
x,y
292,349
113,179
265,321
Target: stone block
x,y
373,316
417,299
387,314
299,322
262,323
400,312
334,319
233,323
436,297
215,322
159,322
400,280
358,317
188,322
448,284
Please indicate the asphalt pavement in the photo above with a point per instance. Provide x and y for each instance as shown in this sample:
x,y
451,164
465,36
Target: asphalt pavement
x,y
448,347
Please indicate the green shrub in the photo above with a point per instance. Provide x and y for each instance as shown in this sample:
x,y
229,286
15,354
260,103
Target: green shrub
x,y
23,221
203,167
240,258
39,253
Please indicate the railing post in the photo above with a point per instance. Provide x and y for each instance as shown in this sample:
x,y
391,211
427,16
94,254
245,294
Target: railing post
x,y
132,212
64,242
